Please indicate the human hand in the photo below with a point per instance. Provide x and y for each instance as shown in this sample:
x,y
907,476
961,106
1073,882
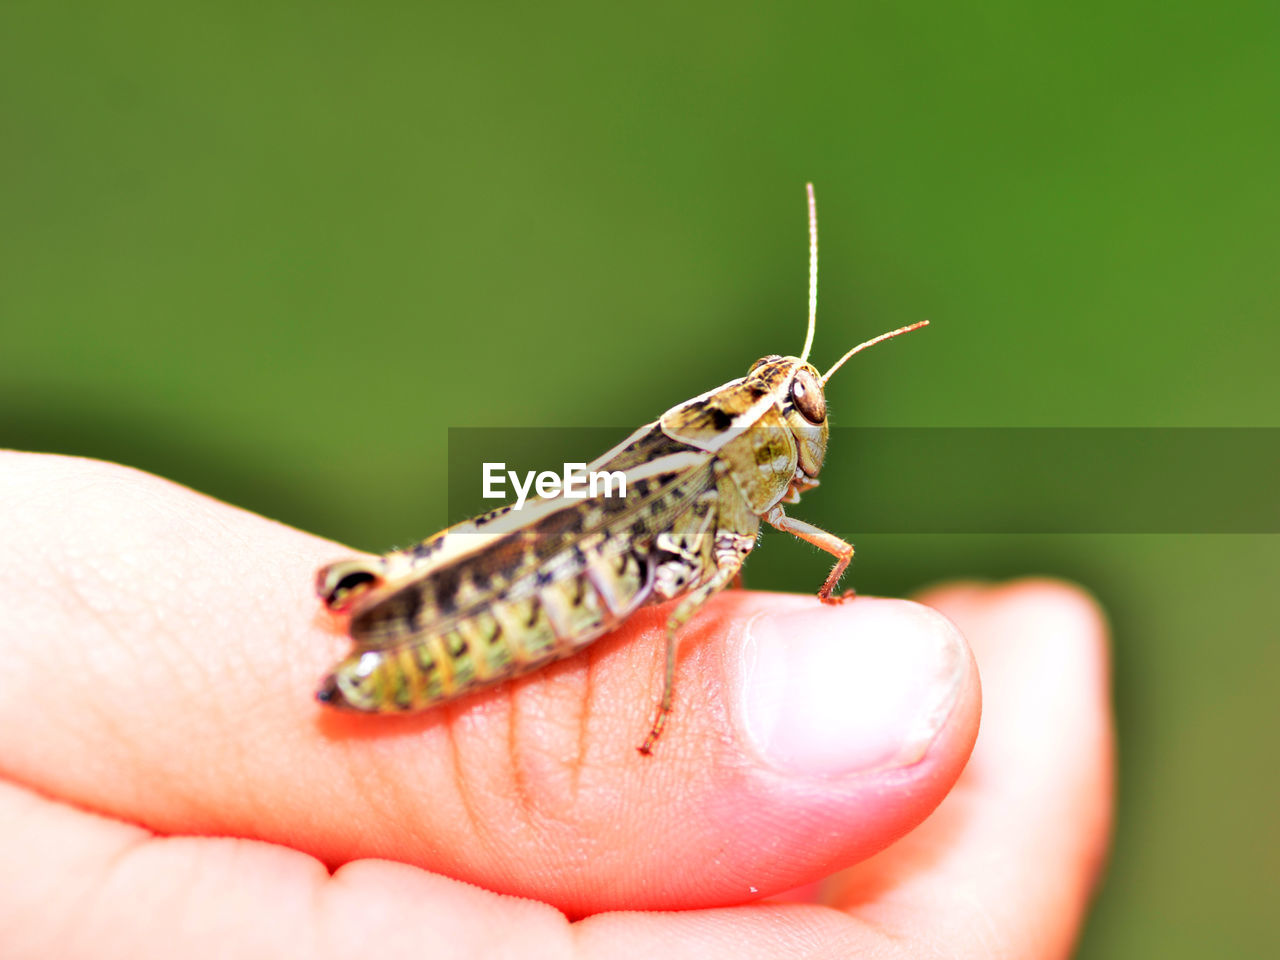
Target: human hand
x,y
168,787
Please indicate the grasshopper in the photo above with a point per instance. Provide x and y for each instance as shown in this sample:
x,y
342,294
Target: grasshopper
x,y
511,591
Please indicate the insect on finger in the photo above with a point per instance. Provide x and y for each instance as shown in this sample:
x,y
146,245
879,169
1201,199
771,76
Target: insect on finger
x,y
516,589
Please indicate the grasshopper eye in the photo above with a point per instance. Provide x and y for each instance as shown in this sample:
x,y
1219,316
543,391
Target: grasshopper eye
x,y
806,394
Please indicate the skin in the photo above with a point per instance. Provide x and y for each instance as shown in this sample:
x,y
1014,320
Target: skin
x,y
168,786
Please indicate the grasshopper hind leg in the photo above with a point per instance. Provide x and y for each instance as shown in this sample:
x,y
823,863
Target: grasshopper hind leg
x,y
731,550
340,584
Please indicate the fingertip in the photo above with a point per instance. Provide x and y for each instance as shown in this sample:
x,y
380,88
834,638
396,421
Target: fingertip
x,y
946,593
1050,595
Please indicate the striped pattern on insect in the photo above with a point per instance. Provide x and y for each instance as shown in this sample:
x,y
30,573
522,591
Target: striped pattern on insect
x,y
511,591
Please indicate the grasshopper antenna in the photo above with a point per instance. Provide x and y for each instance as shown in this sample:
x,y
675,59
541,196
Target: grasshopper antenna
x,y
813,271
871,343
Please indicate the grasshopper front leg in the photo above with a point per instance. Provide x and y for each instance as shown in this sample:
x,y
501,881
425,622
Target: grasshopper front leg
x,y
842,551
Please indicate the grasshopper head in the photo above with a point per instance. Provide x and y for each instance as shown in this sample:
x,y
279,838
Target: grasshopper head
x,y
805,411
798,392
798,387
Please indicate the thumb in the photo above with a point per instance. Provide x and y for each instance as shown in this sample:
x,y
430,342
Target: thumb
x,y
185,645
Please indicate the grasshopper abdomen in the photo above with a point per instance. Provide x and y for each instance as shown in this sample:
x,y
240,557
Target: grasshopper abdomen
x,y
569,602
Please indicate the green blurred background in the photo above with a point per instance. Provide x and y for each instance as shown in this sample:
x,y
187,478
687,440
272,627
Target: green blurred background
x,y
274,250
